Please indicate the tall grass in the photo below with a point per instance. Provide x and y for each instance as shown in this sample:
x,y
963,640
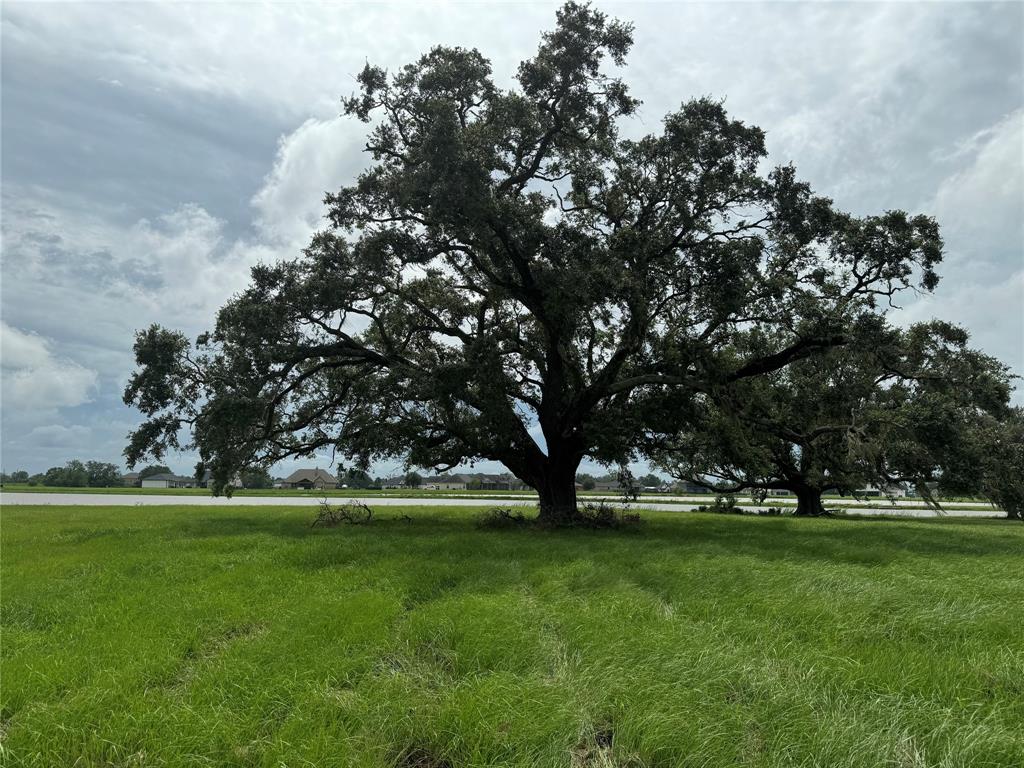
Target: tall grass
x,y
186,636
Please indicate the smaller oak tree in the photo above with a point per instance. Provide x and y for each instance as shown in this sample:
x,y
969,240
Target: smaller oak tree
x,y
888,408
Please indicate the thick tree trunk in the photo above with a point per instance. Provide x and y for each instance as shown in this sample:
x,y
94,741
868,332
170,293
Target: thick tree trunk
x,y
808,502
557,491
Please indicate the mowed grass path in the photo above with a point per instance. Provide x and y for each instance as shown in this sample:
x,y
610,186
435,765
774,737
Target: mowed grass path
x,y
203,637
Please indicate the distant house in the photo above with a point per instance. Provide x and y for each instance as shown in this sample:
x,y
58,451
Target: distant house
x,y
891,491
131,479
476,481
308,479
614,486
446,483
208,478
913,492
168,480
505,482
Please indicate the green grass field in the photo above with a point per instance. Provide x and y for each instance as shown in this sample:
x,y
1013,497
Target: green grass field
x,y
204,637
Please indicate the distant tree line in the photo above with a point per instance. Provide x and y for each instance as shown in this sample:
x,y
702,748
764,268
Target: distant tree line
x,y
99,474
74,474
650,480
257,478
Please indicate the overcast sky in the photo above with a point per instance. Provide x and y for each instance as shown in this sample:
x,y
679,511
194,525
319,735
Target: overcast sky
x,y
152,152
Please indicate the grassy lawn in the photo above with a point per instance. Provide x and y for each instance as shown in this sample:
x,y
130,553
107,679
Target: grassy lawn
x,y
200,637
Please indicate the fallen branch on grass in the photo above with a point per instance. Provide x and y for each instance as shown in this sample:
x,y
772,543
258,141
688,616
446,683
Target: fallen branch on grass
x,y
352,513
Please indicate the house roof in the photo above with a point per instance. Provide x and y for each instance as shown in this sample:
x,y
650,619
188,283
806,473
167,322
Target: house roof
x,y
472,477
130,475
448,479
170,476
504,478
312,475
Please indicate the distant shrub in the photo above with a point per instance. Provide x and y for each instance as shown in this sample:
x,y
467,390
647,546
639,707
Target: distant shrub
x,y
603,515
723,505
590,515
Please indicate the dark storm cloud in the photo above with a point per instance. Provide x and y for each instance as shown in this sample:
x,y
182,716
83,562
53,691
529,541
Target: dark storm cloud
x,y
67,128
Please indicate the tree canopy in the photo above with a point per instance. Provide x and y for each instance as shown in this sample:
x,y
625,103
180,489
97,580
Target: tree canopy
x,y
76,474
256,478
354,477
513,275
154,469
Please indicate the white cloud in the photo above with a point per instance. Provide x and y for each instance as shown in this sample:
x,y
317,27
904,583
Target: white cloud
x,y
319,156
860,96
992,312
22,350
36,380
85,278
90,281
296,59
981,206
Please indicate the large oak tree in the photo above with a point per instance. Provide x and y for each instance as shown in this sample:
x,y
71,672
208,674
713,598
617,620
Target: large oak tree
x,y
511,275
